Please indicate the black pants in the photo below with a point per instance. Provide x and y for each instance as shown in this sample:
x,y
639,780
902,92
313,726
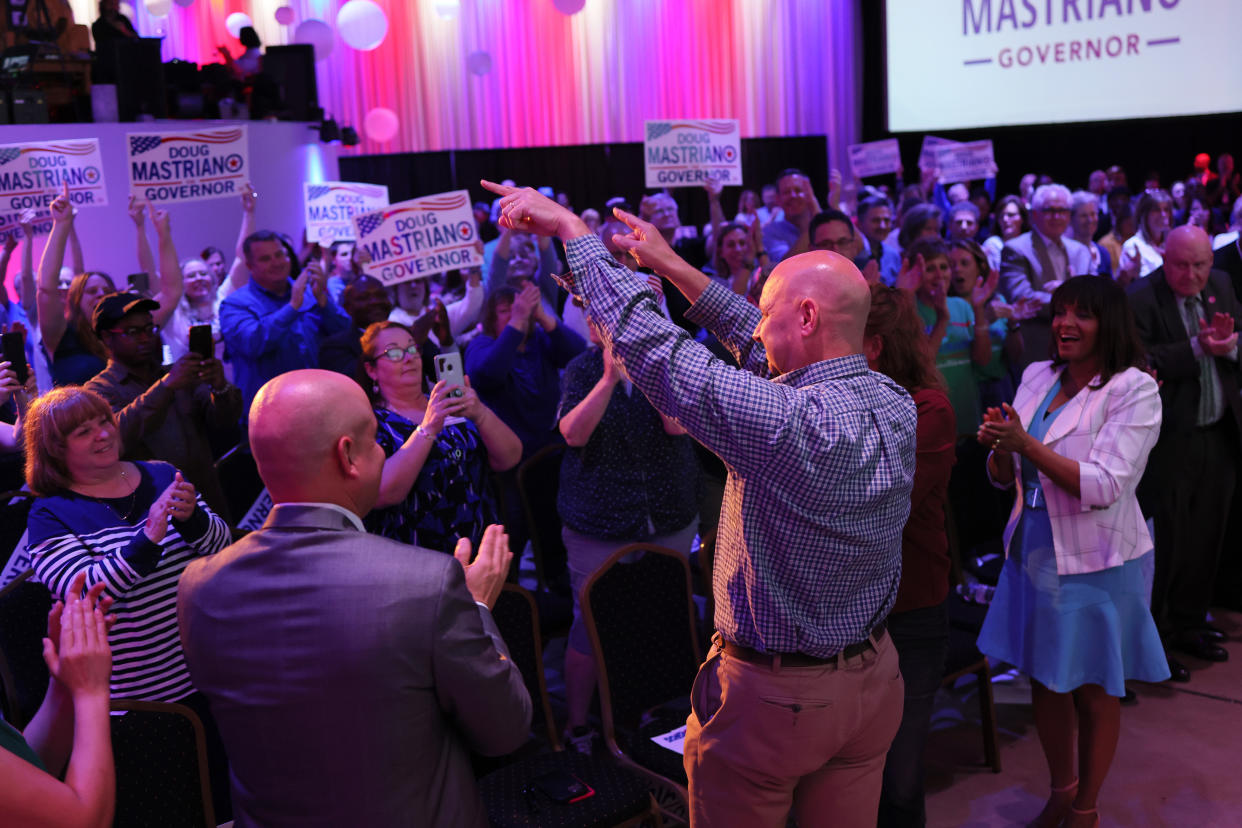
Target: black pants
x,y
1191,516
921,637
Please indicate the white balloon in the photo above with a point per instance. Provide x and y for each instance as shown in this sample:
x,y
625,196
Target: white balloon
x,y
284,15
237,21
185,4
479,63
362,24
381,124
569,6
448,9
158,8
316,33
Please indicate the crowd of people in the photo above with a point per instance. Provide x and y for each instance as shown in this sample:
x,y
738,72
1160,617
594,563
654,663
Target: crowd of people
x,y
809,382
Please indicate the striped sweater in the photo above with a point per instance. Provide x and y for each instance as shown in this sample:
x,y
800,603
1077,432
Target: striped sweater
x,y
71,533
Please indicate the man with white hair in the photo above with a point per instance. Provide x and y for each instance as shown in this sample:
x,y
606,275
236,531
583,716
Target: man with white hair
x,y
1035,264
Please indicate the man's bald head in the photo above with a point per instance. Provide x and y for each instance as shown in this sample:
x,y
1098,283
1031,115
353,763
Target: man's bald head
x,y
1187,259
312,433
815,307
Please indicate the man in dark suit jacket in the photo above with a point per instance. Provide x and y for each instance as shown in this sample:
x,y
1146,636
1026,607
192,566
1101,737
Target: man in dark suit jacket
x,y
350,675
1187,316
1035,264
1229,260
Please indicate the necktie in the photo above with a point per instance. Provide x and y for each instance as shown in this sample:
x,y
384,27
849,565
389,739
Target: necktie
x,y
1209,392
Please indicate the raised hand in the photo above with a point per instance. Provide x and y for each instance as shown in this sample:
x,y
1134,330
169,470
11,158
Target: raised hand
x,y
26,221
161,221
485,577
1218,337
525,209
76,647
297,293
714,186
910,277
440,406
176,502
61,207
524,305
248,197
645,243
871,272
984,288
137,209
1003,432
186,372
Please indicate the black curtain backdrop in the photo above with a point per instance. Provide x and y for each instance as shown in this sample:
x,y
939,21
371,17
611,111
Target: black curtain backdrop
x,y
1067,152
590,174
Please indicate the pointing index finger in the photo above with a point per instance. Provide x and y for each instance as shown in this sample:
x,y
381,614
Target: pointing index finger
x,y
498,189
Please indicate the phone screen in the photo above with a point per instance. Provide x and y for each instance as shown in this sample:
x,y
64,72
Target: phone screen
x,y
448,370
15,354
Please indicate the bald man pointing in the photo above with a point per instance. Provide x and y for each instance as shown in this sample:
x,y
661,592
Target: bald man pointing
x,y
800,696
349,674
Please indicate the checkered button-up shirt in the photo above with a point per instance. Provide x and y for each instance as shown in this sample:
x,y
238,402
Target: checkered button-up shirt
x,y
820,460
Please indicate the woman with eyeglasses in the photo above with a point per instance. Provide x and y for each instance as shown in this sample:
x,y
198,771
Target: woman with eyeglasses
x,y
433,490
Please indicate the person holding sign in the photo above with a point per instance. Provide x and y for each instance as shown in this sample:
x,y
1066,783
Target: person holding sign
x,y
821,457
74,351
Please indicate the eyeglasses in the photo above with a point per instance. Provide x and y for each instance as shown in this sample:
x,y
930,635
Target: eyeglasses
x,y
136,332
1054,211
395,354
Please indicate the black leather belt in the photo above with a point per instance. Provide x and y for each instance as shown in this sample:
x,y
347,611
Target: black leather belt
x,y
777,660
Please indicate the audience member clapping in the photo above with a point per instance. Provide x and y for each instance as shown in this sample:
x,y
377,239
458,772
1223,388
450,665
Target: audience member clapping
x,y
69,735
1070,615
275,323
1144,251
440,447
957,328
973,281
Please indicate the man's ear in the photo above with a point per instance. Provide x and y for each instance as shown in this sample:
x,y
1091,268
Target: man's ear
x,y
808,316
346,455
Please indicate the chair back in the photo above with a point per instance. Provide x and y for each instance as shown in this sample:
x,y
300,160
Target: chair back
x,y
640,615
517,617
24,605
240,481
161,766
539,481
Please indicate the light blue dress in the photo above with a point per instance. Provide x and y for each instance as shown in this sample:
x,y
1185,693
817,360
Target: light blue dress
x,y
1065,631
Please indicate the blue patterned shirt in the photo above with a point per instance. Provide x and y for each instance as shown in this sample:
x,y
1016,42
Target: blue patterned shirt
x,y
820,462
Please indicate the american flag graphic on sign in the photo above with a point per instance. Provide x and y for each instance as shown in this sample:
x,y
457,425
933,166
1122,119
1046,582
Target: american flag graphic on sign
x,y
317,191
368,223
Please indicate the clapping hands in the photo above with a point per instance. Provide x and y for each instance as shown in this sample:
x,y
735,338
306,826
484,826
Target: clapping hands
x,y
177,502
1218,337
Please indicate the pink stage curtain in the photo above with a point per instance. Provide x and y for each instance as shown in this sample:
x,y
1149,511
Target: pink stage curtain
x,y
781,67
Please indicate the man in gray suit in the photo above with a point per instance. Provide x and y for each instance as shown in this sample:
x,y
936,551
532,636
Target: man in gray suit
x,y
350,675
1035,264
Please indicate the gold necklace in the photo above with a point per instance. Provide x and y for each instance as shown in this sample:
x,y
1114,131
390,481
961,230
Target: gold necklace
x,y
133,499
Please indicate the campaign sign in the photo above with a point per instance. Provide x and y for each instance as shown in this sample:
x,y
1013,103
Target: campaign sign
x,y
420,237
191,165
875,158
32,175
330,206
688,153
927,155
964,162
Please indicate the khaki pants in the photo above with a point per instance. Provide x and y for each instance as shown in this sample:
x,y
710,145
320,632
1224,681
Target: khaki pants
x,y
762,740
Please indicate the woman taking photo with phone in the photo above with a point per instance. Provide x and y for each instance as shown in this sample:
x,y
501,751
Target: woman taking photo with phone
x,y
439,447
1071,609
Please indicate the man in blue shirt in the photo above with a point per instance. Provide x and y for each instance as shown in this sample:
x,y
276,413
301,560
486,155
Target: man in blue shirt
x,y
800,696
271,325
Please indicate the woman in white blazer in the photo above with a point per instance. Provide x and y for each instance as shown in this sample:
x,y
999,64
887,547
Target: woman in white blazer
x,y
1071,609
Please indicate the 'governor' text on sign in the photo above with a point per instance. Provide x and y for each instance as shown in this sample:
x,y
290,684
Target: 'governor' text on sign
x,y
170,167
688,153
419,238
